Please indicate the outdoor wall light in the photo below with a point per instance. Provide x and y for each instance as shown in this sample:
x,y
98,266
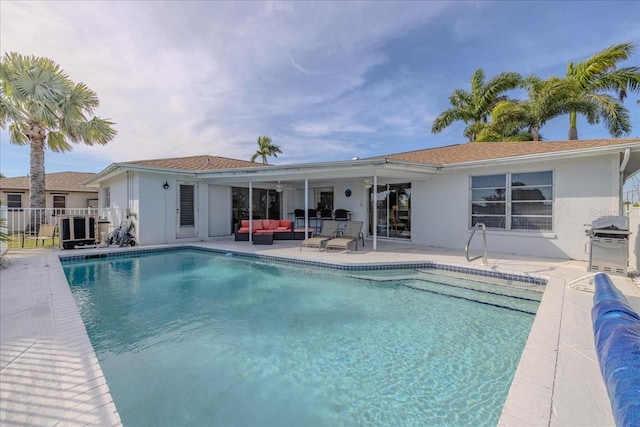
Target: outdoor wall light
x,y
165,185
368,183
279,187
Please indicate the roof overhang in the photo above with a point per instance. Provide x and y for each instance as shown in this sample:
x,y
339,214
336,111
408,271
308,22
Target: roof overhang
x,y
387,170
367,168
634,147
116,169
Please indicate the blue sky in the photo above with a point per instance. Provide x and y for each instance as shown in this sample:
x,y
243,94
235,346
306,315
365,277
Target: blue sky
x,y
325,80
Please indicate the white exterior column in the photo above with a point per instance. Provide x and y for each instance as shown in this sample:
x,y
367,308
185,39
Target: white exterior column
x,y
250,211
375,212
306,208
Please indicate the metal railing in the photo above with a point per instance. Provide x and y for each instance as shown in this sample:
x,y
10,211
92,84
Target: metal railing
x,y
484,243
23,223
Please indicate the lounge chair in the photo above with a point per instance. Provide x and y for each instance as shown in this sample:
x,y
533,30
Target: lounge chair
x,y
329,230
350,235
45,232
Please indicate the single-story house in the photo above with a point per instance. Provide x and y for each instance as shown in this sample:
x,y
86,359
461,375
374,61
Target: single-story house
x,y
65,193
535,198
64,190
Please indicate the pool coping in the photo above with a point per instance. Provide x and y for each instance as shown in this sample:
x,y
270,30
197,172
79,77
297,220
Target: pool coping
x,y
533,398
481,271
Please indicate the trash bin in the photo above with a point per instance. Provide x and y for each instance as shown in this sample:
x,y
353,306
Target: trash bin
x,y
103,229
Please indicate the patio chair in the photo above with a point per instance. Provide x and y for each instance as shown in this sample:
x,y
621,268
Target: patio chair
x,y
45,232
329,230
350,235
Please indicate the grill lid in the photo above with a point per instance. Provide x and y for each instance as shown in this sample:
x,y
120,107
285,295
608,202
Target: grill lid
x,y
611,223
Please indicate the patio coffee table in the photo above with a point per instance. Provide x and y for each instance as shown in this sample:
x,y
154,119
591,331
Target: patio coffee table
x,y
263,238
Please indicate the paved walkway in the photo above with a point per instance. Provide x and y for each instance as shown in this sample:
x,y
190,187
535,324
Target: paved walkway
x,y
49,374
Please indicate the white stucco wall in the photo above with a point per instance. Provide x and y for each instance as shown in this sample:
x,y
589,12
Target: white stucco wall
x,y
219,210
117,192
156,223
157,208
584,189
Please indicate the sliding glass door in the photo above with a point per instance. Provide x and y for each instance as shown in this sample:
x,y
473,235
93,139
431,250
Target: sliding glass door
x,y
392,203
266,204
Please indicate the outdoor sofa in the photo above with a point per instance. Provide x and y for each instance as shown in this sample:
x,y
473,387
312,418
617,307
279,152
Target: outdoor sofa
x,y
281,229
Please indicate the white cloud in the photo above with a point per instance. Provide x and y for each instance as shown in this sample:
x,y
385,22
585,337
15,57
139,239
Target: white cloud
x,y
194,77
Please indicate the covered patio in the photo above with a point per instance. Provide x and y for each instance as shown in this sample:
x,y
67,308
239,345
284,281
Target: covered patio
x,y
352,186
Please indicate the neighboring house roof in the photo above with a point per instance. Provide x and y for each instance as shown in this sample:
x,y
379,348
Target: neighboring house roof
x,y
59,181
479,151
196,163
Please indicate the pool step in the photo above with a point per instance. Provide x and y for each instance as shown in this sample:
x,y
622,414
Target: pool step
x,y
486,279
488,284
500,293
525,305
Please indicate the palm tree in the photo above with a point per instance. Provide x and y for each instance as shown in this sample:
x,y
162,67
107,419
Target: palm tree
x,y
475,107
522,120
44,109
596,76
265,148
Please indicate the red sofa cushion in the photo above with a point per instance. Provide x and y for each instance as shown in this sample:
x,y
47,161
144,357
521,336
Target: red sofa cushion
x,y
270,224
260,225
244,225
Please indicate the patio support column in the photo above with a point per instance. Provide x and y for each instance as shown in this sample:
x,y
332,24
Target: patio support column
x,y
375,212
306,208
250,211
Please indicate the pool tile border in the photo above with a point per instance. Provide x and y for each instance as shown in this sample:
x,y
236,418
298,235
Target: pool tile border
x,y
431,265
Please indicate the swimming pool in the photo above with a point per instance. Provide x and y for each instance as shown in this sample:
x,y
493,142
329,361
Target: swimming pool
x,y
194,338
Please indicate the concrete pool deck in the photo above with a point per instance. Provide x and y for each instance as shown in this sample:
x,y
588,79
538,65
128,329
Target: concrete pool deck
x,y
49,374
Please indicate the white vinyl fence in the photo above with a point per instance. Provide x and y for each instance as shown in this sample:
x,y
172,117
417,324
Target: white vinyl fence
x,y
27,221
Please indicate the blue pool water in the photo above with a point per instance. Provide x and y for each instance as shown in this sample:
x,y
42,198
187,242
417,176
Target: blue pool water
x,y
195,338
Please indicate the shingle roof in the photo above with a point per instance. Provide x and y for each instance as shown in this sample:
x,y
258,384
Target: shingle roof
x,y
474,151
196,163
58,181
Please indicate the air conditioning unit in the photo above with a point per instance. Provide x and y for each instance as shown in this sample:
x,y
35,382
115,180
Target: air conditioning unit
x,y
77,231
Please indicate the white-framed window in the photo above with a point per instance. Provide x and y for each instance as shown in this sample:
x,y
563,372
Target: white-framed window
x,y
14,201
106,197
59,204
513,201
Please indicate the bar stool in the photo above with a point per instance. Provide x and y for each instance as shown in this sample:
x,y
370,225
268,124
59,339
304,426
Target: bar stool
x,y
298,214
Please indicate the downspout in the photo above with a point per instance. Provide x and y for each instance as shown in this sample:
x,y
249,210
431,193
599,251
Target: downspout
x,y
623,165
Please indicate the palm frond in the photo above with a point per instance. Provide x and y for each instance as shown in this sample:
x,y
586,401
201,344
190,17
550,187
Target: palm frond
x,y
57,142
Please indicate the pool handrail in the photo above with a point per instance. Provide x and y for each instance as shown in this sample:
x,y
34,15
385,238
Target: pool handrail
x,y
484,243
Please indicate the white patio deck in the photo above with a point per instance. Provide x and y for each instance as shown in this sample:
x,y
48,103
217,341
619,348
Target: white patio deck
x,y
49,374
